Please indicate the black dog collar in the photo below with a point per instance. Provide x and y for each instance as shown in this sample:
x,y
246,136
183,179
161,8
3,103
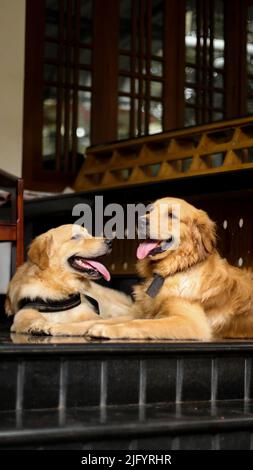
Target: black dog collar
x,y
155,285
94,303
50,306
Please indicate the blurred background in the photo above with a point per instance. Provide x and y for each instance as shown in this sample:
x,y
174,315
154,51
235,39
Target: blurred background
x,y
76,73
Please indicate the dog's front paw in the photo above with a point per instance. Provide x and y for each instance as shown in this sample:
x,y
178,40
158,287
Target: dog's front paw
x,y
39,328
73,329
119,331
102,331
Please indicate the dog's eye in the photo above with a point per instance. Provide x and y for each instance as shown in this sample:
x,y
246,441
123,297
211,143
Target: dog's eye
x,y
171,215
77,236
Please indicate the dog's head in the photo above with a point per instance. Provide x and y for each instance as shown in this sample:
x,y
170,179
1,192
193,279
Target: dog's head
x,y
70,248
177,236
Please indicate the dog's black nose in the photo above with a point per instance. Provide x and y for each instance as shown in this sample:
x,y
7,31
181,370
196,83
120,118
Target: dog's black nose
x,y
108,242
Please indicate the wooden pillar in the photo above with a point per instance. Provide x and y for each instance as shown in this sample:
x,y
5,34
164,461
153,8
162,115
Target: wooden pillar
x,y
174,60
105,71
235,58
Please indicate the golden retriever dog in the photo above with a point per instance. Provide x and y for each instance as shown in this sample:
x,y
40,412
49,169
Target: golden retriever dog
x,y
53,293
189,291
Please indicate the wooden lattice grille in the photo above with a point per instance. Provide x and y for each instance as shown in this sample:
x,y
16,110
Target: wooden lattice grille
x,y
98,70
67,84
141,61
204,61
201,150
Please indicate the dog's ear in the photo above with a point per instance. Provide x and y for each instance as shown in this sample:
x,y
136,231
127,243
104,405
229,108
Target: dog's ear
x,y
207,231
40,249
8,306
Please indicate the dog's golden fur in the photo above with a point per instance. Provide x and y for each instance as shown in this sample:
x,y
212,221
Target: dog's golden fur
x,y
203,297
48,275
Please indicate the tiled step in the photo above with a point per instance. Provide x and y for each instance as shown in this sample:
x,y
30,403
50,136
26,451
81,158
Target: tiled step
x,y
196,425
109,389
34,376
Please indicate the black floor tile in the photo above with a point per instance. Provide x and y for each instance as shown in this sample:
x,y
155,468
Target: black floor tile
x,y
235,440
231,373
195,442
41,384
122,381
8,384
196,379
161,380
83,382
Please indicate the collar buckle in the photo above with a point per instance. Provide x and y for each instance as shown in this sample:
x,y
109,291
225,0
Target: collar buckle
x,y
155,285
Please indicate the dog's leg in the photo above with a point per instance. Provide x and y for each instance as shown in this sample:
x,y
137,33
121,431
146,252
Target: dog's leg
x,y
33,322
239,327
26,319
112,303
81,328
178,319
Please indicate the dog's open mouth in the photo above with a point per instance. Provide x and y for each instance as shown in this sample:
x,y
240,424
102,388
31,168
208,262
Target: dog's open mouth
x,y
92,267
153,247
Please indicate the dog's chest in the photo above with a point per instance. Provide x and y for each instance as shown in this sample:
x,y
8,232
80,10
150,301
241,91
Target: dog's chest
x,y
183,285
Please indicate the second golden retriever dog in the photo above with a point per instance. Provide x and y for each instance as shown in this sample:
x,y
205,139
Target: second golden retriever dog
x,y
188,292
53,293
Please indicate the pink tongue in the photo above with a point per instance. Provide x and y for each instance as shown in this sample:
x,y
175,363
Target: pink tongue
x,y
100,268
145,248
